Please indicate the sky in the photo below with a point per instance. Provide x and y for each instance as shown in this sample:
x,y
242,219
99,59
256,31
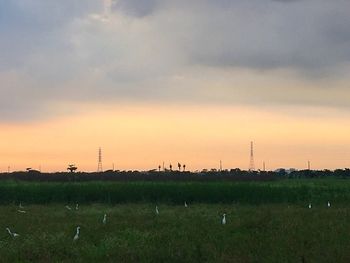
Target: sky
x,y
170,81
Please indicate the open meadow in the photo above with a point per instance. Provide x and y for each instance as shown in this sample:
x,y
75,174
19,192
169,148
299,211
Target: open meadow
x,y
174,131
259,226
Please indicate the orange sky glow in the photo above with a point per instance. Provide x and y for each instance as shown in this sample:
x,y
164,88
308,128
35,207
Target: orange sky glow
x,y
143,136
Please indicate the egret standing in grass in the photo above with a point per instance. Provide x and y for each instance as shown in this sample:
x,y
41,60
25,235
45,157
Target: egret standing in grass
x,y
76,237
21,211
68,207
224,219
310,206
186,204
329,204
77,207
157,211
20,206
13,234
104,221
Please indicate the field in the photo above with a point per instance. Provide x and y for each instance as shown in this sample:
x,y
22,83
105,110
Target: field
x,y
292,191
260,226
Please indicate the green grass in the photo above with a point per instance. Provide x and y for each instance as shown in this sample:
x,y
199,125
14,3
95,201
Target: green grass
x,y
266,221
293,191
133,233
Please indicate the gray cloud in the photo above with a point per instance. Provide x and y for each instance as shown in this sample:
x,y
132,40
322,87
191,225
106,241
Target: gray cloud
x,y
31,26
309,35
52,52
135,7
300,34
287,1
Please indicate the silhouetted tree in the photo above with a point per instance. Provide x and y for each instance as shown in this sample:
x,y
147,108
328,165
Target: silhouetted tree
x,y
171,167
159,168
72,168
184,168
179,165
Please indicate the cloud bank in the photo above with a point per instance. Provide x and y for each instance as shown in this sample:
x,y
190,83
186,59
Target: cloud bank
x,y
259,52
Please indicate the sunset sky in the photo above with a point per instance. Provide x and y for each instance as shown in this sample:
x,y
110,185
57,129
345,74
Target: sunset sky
x,y
189,81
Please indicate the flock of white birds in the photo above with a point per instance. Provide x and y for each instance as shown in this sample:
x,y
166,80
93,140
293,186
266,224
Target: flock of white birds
x,y
104,220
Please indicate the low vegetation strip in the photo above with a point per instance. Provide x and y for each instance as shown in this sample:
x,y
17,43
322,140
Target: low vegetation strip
x,y
287,191
127,176
232,175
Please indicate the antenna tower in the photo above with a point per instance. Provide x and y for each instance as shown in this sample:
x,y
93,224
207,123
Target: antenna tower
x,y
251,163
99,166
264,168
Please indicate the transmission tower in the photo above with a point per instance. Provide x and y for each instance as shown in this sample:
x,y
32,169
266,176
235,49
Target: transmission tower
x,y
99,166
251,163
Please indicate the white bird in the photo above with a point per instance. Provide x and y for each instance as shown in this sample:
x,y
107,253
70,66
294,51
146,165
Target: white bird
x,y
310,206
157,211
21,211
104,221
20,206
76,237
68,207
76,206
224,219
329,204
186,204
13,234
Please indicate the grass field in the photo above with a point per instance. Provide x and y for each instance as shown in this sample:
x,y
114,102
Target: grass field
x,y
134,233
266,221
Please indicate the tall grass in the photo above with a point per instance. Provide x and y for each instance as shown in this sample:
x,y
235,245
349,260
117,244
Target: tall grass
x,y
290,191
134,233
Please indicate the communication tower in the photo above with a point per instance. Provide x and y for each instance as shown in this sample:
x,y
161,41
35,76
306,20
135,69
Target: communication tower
x,y
99,166
251,163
